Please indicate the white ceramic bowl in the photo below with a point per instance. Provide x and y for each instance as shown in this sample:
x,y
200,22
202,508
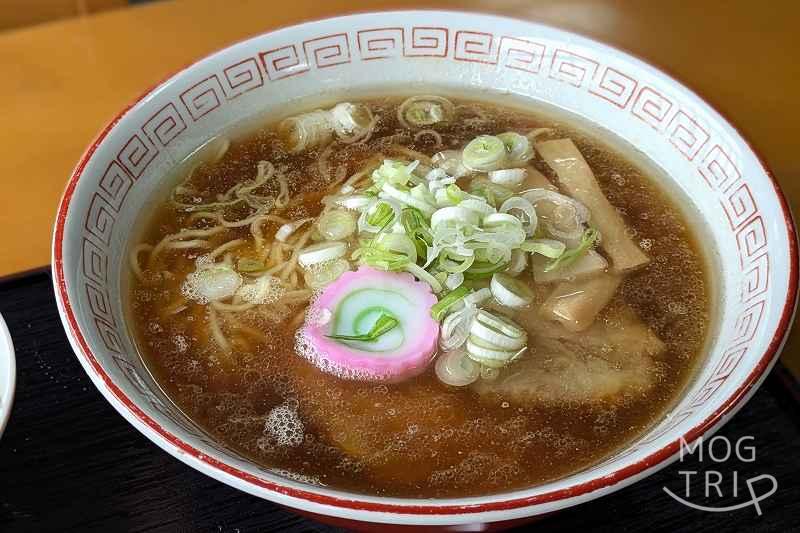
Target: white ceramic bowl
x,y
8,375
749,228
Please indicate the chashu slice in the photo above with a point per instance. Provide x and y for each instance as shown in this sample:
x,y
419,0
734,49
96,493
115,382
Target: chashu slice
x,y
614,359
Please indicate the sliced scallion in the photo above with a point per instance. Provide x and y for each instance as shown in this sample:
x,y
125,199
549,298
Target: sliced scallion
x,y
439,310
509,177
568,257
484,153
384,324
321,252
423,275
510,292
518,147
417,229
336,225
483,270
425,110
546,247
382,214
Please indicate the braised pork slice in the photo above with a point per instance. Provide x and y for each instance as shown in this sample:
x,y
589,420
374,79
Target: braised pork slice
x,y
614,359
393,431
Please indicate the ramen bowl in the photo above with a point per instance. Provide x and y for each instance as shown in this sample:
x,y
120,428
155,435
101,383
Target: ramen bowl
x,y
746,224
8,375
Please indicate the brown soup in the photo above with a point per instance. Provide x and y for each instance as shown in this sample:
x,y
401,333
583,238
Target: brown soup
x,y
571,401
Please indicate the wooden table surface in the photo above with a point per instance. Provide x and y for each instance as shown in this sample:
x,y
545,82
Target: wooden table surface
x,y
65,79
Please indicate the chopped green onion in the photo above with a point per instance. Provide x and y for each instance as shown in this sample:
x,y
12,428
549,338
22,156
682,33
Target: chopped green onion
x,y
494,341
518,147
480,296
351,120
425,111
491,197
454,193
508,177
452,281
442,198
522,209
487,354
399,243
381,216
394,173
387,251
454,216
450,162
321,252
493,253
423,275
483,270
456,369
439,309
381,259
494,193
350,201
420,192
417,229
454,263
424,116
413,221
336,225
479,205
510,292
381,211
568,257
384,324
484,153
404,195
501,220
503,325
546,247
441,277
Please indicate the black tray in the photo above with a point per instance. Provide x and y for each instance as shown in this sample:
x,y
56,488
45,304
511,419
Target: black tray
x,y
69,462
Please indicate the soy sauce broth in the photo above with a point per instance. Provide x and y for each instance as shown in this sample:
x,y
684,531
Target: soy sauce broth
x,y
417,438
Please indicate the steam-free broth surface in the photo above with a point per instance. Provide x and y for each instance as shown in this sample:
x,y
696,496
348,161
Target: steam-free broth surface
x,y
419,437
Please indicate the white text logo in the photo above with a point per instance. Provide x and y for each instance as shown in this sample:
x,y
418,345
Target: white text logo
x,y
718,451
